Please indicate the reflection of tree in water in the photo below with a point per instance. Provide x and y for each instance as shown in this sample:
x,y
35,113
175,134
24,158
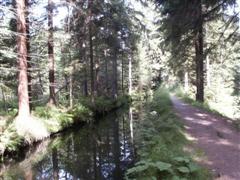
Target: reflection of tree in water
x,y
55,164
101,151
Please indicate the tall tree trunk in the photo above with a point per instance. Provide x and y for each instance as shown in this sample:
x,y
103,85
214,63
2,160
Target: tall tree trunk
x,y
97,67
23,97
106,71
28,53
40,82
208,74
70,59
115,74
85,75
122,75
91,49
130,76
52,96
71,90
199,56
71,87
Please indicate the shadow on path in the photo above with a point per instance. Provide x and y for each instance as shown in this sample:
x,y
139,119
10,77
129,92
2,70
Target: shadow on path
x,y
215,136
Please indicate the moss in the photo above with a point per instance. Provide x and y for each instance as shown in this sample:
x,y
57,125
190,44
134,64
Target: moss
x,y
160,142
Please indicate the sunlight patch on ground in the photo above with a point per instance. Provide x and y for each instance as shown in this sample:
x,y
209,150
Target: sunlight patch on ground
x,y
189,137
201,114
226,143
189,118
205,123
31,128
187,127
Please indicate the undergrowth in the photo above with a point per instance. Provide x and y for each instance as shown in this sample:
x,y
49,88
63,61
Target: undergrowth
x,y
160,143
102,104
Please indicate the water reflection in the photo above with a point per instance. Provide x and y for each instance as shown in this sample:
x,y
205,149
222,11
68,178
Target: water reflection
x,y
101,151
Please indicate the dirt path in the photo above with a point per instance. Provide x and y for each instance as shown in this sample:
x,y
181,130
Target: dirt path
x,y
219,141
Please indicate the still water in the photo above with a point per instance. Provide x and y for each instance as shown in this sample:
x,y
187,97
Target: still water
x,y
100,151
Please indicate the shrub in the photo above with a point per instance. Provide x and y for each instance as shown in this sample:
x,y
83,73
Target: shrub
x,y
81,112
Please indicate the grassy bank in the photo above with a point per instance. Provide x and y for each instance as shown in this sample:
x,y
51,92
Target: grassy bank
x,y
160,145
45,121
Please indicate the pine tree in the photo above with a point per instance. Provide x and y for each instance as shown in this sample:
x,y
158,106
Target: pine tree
x,y
23,97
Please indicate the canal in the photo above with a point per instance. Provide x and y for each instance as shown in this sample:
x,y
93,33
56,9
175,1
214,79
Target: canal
x,y
103,150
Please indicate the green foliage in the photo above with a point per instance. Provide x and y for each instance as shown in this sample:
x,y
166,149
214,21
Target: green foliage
x,y
160,144
102,104
81,112
11,108
43,112
10,141
57,119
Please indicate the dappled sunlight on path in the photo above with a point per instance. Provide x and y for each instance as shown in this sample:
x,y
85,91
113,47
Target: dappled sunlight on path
x,y
216,137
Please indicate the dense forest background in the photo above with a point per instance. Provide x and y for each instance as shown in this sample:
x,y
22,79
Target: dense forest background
x,y
110,48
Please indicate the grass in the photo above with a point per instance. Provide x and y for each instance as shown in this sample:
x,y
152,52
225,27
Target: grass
x,y
160,145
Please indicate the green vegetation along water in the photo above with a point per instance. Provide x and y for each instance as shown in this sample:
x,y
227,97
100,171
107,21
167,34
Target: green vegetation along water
x,y
100,151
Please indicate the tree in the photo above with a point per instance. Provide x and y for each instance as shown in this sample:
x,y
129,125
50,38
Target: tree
x,y
28,52
23,97
52,96
183,24
199,52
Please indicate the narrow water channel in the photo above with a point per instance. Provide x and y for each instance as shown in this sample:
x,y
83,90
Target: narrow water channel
x,y
100,151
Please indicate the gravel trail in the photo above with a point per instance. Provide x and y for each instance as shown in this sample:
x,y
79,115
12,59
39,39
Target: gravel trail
x,y
215,136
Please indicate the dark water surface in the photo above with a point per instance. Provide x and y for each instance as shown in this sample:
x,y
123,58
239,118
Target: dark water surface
x,y
100,151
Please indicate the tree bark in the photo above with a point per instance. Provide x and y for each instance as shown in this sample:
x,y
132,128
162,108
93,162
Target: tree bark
x,y
130,76
85,75
23,97
28,53
52,97
106,71
71,87
115,74
97,67
122,75
91,49
199,56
